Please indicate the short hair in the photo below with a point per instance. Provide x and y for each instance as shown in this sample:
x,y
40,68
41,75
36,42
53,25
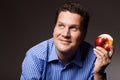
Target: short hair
x,y
75,7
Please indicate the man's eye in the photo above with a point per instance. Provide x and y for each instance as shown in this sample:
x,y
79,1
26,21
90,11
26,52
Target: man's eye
x,y
61,26
74,28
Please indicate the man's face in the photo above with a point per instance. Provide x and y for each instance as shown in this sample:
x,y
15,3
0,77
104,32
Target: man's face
x,y
67,33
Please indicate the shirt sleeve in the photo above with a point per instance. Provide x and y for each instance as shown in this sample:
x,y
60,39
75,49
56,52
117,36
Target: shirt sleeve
x,y
31,67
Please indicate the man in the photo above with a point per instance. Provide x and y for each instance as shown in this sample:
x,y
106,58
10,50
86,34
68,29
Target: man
x,y
67,56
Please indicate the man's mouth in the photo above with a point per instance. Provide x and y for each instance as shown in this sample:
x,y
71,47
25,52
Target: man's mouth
x,y
65,41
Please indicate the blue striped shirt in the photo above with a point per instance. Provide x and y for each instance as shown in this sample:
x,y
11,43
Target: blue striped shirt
x,y
42,63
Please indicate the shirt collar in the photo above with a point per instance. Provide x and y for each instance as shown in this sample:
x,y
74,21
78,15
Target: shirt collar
x,y
53,56
77,59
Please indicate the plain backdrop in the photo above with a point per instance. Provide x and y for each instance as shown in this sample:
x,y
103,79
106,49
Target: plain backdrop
x,y
24,24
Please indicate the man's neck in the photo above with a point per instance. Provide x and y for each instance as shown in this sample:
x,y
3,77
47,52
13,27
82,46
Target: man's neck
x,y
65,57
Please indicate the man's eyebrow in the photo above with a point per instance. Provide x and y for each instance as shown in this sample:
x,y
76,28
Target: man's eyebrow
x,y
75,25
61,22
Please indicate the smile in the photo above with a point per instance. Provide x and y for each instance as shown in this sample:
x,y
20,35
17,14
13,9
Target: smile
x,y
66,42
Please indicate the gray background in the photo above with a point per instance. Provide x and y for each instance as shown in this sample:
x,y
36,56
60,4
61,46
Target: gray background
x,y
23,24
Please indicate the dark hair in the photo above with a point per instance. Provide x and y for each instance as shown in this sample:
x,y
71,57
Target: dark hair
x,y
75,7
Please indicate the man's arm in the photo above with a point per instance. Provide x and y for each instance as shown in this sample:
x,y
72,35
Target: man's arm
x,y
102,61
100,76
31,68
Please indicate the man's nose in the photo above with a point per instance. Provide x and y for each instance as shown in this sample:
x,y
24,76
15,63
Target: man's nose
x,y
66,32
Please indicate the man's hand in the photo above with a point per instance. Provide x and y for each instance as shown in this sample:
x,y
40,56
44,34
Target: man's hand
x,y
102,61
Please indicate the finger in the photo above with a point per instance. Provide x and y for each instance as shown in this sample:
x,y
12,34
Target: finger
x,y
102,50
111,52
102,57
98,53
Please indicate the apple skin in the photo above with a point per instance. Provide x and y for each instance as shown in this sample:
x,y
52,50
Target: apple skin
x,y
104,42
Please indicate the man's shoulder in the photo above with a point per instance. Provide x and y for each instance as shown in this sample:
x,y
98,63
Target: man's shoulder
x,y
43,45
41,49
87,48
85,44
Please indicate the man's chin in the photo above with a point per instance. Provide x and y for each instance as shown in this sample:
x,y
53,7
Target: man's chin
x,y
64,49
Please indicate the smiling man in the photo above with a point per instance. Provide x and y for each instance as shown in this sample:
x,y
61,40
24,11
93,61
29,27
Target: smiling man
x,y
67,35
67,56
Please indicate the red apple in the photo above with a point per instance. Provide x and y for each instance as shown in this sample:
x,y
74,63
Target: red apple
x,y
104,40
